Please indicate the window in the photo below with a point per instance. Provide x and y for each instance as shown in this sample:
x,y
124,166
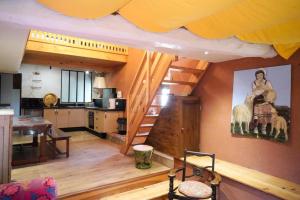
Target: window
x,y
76,86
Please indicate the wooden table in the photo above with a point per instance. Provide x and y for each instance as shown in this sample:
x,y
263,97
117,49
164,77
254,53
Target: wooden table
x,y
40,127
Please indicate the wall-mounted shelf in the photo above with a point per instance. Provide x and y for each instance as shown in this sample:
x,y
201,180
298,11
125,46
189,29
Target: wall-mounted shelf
x,y
36,87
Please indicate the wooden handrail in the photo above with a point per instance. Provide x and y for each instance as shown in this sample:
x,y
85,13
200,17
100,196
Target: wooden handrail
x,y
153,67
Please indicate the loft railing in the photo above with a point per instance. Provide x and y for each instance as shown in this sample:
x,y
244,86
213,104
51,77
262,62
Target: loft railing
x,y
64,40
152,70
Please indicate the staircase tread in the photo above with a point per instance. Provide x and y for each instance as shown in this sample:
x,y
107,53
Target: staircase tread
x,y
185,69
179,82
142,134
146,125
156,105
152,115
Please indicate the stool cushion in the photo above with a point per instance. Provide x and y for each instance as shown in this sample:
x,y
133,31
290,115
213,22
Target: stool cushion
x,y
195,189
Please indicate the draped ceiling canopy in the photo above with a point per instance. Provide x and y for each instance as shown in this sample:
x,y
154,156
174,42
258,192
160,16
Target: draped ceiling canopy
x,y
275,22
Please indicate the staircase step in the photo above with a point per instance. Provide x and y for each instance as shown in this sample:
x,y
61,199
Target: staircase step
x,y
143,134
146,125
139,140
187,70
166,82
153,115
155,105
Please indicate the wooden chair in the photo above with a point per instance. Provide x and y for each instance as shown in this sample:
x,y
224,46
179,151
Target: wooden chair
x,y
202,183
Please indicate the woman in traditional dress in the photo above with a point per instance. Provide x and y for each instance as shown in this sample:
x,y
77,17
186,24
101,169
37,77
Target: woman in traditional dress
x,y
262,114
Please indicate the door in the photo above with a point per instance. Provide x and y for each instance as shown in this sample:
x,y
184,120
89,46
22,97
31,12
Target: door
x,y
110,121
63,118
99,121
76,118
190,125
50,115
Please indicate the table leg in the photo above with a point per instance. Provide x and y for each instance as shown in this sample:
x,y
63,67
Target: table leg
x,y
35,141
67,147
43,156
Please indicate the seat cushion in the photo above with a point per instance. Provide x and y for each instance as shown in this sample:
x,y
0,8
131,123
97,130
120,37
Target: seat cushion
x,y
195,189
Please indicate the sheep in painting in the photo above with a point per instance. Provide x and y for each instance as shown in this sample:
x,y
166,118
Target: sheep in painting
x,y
243,113
279,123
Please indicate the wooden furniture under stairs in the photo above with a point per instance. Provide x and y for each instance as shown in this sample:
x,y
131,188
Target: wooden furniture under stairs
x,y
159,77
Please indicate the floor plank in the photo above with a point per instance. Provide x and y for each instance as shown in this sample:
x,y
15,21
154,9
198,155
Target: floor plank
x,y
93,162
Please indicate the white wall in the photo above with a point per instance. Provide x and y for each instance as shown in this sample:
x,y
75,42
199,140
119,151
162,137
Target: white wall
x,y
50,80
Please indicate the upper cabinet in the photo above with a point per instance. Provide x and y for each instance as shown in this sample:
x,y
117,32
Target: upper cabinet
x,y
60,50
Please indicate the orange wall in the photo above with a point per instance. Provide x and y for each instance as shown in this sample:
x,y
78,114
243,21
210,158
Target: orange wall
x,y
215,92
122,79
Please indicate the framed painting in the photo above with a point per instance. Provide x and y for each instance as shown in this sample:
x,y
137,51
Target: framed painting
x,y
261,103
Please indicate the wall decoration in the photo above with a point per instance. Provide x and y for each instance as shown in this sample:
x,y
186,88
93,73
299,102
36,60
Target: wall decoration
x,y
261,103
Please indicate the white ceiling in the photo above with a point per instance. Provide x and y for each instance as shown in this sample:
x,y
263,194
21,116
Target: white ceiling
x,y
31,15
13,40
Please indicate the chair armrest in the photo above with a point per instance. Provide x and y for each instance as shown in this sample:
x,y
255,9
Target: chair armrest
x,y
173,172
217,179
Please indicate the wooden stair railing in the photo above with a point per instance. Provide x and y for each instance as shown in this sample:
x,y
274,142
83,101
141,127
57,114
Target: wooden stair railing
x,y
151,73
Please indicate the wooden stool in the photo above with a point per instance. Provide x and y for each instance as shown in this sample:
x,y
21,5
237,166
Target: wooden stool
x,y
57,135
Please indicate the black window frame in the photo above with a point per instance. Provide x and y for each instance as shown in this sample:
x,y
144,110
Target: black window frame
x,y
84,78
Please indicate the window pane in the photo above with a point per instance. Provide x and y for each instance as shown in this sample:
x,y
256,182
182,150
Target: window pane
x,y
64,86
80,87
88,87
73,84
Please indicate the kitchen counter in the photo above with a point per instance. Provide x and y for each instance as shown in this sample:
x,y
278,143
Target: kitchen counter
x,y
6,112
83,107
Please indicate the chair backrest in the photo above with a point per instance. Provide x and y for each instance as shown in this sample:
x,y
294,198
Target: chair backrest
x,y
197,171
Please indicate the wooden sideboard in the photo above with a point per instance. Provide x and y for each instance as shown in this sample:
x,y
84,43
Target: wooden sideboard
x,y
5,144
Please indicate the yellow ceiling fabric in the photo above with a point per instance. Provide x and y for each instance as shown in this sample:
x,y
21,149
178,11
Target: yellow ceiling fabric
x,y
88,9
244,17
166,15
286,50
275,22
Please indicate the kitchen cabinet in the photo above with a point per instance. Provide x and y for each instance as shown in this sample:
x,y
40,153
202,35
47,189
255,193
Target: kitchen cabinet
x,y
65,118
177,127
106,121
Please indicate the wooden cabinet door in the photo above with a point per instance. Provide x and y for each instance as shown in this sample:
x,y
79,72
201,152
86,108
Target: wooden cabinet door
x,y
50,115
76,118
63,118
99,121
110,121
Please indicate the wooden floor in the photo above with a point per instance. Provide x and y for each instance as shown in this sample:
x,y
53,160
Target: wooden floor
x,y
93,162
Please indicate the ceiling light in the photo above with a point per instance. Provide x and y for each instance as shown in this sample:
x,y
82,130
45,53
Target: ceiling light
x,y
205,52
87,72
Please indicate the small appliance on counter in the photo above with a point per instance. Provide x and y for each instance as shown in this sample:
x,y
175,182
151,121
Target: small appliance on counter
x,y
121,104
112,103
98,103
108,93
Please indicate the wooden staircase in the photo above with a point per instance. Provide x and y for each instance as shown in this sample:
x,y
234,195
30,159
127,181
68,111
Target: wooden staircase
x,y
159,76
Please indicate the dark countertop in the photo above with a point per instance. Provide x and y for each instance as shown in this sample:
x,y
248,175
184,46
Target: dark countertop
x,y
83,107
